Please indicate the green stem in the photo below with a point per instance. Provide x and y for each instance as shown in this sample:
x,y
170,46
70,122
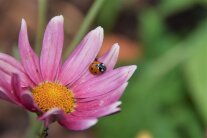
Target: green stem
x,y
43,132
42,5
35,126
85,25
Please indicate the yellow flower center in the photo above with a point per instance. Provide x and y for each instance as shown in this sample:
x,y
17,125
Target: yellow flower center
x,y
53,95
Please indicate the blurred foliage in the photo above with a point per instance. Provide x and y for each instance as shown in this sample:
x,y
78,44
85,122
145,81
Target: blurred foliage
x,y
196,78
167,97
109,13
172,6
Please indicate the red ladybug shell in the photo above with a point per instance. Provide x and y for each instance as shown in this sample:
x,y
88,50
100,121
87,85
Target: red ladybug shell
x,y
97,68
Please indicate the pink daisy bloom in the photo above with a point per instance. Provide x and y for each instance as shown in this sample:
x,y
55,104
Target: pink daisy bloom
x,y
68,93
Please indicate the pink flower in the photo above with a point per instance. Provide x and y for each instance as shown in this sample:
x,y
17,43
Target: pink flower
x,y
67,93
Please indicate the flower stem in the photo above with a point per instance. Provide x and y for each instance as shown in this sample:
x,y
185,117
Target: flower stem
x,y
85,25
43,132
42,5
34,127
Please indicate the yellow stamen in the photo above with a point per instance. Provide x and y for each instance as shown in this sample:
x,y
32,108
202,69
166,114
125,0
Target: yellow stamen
x,y
51,94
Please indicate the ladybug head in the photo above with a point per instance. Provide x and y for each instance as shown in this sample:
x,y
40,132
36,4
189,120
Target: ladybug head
x,y
102,67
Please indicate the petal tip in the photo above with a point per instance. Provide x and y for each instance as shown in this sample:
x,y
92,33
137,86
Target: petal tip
x,y
59,18
131,70
99,30
23,24
118,103
116,47
89,124
125,85
116,44
93,122
133,67
23,20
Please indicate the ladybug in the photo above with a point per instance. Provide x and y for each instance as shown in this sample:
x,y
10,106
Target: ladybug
x,y
97,68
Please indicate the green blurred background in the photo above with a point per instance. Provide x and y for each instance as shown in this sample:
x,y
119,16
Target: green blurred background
x,y
167,39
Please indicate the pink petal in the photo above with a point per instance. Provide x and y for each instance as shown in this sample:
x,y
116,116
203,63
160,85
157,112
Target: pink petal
x,y
10,65
104,83
22,96
29,59
82,56
99,112
5,81
51,116
5,89
52,48
75,123
28,102
5,95
109,59
16,89
101,101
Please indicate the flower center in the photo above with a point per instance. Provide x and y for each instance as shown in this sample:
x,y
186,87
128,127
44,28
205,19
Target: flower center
x,y
53,95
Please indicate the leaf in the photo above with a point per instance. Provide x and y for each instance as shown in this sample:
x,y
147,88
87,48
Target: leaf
x,y
196,76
